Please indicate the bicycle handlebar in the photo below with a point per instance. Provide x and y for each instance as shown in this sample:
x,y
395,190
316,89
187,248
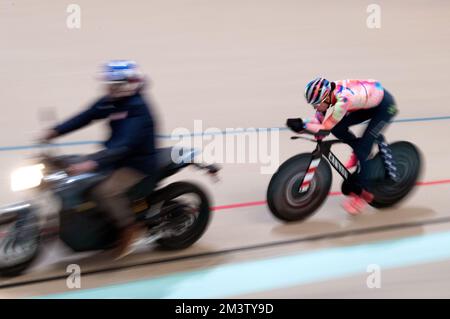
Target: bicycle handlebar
x,y
321,133
303,138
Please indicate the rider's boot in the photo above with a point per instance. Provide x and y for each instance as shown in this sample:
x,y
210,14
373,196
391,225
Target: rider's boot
x,y
355,204
128,237
352,161
368,197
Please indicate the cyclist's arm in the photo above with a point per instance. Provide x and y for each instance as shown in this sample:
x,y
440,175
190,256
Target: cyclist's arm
x,y
339,111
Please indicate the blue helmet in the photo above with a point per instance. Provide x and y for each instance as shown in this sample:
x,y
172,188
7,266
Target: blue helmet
x,y
121,71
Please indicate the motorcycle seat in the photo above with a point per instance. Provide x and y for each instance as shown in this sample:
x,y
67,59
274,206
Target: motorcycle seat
x,y
173,158
170,160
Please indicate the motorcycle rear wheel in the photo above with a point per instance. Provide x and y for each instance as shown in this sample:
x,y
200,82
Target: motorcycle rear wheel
x,y
198,213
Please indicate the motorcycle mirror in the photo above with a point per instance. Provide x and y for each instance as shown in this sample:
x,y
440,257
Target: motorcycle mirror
x,y
47,117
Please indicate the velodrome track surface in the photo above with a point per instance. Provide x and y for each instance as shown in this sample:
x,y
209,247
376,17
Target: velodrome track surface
x,y
238,65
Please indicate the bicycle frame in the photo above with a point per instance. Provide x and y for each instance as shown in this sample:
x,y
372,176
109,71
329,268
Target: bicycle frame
x,y
323,149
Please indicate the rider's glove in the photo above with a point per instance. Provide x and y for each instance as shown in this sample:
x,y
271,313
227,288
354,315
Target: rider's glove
x,y
47,136
296,124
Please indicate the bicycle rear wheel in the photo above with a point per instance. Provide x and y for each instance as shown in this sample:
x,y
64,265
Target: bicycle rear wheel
x,y
386,191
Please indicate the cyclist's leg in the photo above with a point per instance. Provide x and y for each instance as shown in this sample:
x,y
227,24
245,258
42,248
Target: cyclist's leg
x,y
341,129
384,112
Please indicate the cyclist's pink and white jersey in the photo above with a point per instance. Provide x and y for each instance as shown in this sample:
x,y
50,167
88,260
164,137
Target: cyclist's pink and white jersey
x,y
349,96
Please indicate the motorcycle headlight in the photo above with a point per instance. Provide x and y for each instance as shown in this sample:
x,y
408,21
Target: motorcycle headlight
x,y
27,177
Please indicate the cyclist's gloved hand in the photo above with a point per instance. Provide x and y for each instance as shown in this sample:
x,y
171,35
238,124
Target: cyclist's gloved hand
x,y
296,124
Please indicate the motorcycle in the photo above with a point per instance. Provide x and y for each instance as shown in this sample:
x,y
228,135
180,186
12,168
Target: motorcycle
x,y
175,216
301,184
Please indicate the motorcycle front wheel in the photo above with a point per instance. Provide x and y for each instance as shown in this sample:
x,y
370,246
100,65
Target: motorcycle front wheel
x,y
19,246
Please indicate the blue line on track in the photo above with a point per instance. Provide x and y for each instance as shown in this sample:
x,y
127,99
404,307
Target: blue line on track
x,y
223,132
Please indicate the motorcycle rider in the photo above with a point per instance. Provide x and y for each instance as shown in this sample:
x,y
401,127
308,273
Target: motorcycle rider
x,y
352,102
129,151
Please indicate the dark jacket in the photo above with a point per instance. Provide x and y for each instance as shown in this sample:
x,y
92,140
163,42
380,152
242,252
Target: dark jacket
x,y
132,139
